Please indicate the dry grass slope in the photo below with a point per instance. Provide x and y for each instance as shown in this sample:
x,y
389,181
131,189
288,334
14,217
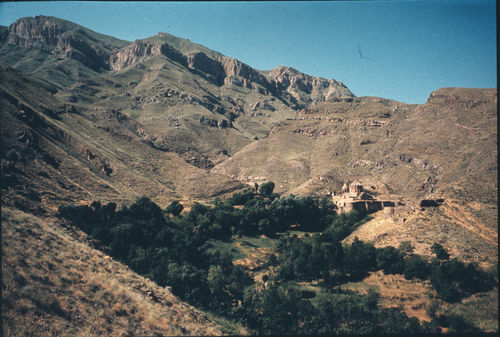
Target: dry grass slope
x,y
55,284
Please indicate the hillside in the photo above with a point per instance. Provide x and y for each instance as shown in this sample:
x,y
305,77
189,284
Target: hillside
x,y
89,117
62,286
175,86
445,148
385,143
77,157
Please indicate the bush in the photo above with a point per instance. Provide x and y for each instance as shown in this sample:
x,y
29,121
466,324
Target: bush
x,y
344,224
444,278
416,267
175,208
390,260
266,189
406,247
454,280
303,211
432,309
242,198
456,324
440,252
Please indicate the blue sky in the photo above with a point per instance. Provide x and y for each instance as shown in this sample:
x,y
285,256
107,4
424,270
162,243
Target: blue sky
x,y
411,48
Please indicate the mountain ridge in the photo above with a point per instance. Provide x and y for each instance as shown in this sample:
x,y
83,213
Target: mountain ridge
x,y
211,88
69,40
89,118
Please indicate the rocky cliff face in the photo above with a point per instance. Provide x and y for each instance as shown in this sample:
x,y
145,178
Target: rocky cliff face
x,y
240,74
298,89
35,32
134,53
307,89
66,40
201,62
60,38
140,51
294,87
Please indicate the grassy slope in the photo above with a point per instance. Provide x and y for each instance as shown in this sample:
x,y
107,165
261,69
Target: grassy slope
x,y
453,225
54,283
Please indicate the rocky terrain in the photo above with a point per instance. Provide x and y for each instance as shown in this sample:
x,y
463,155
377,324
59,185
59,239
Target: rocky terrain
x,y
444,149
89,117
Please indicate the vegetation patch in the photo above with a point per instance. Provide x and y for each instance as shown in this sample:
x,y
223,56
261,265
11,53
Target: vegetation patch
x,y
194,253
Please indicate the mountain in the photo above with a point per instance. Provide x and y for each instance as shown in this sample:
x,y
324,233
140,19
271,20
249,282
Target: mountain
x,y
389,143
444,149
54,51
89,117
149,95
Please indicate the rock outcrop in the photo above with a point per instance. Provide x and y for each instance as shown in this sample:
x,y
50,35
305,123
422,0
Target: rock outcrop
x,y
305,88
134,53
60,38
240,74
201,62
293,87
65,40
140,51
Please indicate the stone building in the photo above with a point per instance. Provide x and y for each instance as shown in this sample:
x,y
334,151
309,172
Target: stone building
x,y
353,197
355,188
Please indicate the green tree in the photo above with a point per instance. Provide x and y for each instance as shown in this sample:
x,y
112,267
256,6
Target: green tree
x,y
445,278
266,189
175,208
242,198
390,260
416,266
220,299
439,252
360,257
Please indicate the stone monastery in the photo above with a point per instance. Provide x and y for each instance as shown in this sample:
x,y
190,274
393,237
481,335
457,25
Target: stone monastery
x,y
353,197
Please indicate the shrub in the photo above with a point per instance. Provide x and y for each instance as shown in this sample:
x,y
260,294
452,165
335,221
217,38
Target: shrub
x,y
242,198
266,189
344,224
439,252
175,208
444,278
390,260
406,247
416,267
432,309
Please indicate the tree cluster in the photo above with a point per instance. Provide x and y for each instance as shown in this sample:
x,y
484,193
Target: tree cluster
x,y
172,248
323,257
